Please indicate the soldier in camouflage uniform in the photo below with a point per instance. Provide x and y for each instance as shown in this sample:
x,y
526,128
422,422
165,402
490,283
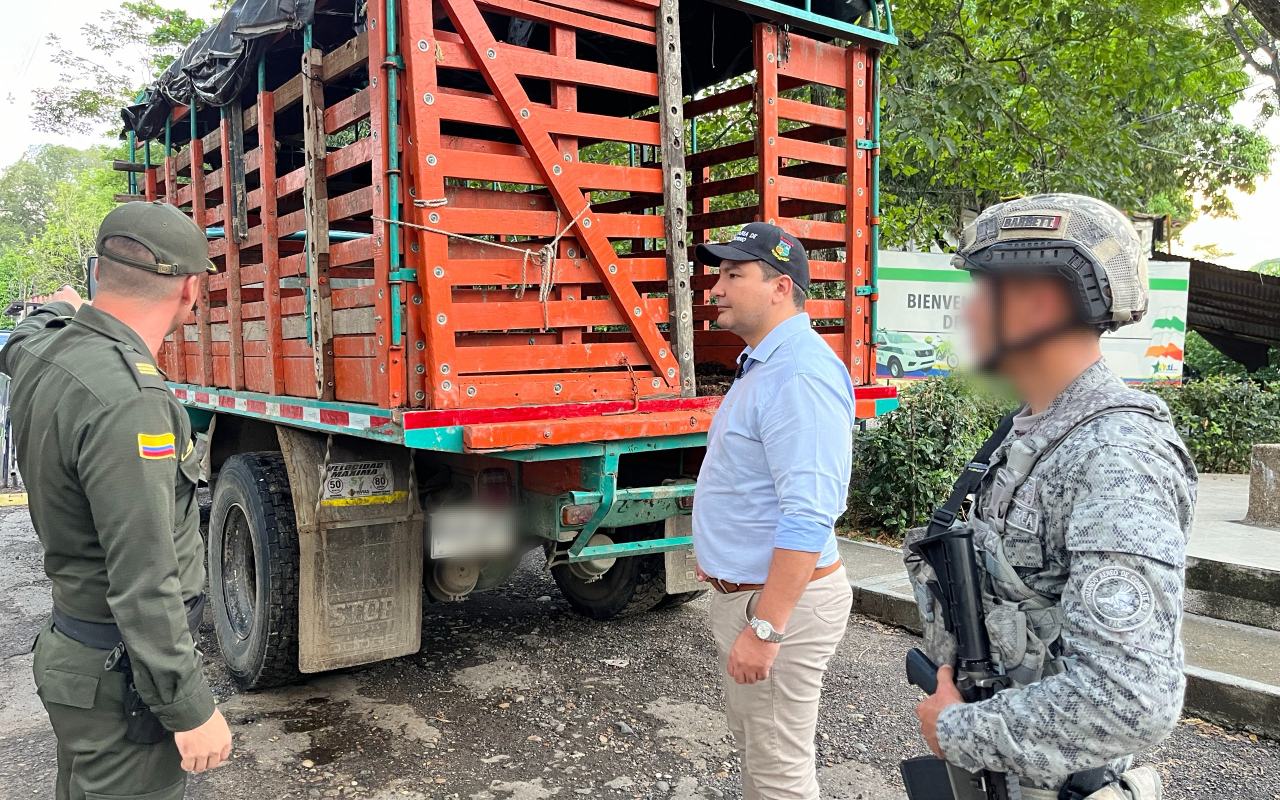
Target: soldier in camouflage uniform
x,y
1080,523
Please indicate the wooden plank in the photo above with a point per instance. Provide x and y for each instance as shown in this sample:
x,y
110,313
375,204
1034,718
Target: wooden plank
x,y
345,113
720,155
708,189
571,19
500,74
812,61
389,377
810,151
816,191
516,169
675,218
202,305
858,339
234,185
274,356
564,97
527,315
231,249
523,358
316,204
425,159
484,272
451,53
290,92
608,9
346,205
723,219
542,223
519,435
487,111
347,57
810,113
339,161
574,387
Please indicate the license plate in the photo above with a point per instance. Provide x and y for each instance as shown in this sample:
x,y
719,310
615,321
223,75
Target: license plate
x,y
472,532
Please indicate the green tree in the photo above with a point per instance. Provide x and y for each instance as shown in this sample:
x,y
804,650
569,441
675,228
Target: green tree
x,y
51,202
1128,100
100,79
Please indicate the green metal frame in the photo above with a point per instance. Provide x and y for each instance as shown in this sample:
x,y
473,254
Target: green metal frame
x,y
805,19
621,507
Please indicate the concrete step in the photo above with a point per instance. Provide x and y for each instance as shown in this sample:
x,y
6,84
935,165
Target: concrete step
x,y
1233,670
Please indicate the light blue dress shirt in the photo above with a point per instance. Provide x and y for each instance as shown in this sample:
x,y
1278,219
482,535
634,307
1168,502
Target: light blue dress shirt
x,y
779,452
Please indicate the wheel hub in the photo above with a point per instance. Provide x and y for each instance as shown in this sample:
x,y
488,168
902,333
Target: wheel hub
x,y
452,579
595,569
239,573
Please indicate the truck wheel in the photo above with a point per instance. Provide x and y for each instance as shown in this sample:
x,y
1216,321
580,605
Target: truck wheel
x,y
622,587
253,570
895,367
675,600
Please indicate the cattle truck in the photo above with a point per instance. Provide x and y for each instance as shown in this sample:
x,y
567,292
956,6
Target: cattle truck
x,y
456,316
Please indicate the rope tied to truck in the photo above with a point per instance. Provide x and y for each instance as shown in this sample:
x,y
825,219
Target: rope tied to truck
x,y
544,256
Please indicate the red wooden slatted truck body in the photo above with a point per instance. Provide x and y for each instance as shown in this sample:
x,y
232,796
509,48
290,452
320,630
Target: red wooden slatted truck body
x,y
456,315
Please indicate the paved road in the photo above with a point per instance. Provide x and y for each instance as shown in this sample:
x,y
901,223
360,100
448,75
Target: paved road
x,y
515,698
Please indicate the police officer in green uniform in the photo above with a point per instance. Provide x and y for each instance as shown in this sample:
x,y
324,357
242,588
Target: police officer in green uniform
x,y
108,459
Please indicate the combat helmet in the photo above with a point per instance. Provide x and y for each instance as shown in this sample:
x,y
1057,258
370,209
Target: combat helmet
x,y
1086,241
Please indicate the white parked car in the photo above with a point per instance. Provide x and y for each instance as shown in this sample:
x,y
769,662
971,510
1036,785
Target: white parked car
x,y
901,353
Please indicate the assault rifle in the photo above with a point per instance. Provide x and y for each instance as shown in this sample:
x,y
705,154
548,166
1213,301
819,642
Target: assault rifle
x,y
957,595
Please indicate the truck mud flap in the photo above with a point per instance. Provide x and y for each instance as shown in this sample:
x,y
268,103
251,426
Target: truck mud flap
x,y
360,548
682,575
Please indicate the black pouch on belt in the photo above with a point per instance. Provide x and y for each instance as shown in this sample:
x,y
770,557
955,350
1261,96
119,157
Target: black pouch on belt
x,y
141,725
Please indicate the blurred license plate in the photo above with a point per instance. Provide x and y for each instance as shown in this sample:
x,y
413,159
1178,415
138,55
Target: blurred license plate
x,y
472,532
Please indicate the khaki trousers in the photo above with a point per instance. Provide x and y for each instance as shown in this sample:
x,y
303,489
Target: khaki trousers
x,y
774,720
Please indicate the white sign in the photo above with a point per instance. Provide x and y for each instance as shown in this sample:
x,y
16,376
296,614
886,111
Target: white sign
x,y
359,483
918,316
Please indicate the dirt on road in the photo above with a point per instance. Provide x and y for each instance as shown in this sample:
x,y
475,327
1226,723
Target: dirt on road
x,y
513,697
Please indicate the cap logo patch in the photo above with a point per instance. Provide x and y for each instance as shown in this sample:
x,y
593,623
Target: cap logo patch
x,y
156,445
782,250
1029,222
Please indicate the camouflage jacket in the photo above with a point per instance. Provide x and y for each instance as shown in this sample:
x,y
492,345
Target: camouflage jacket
x,y
1098,531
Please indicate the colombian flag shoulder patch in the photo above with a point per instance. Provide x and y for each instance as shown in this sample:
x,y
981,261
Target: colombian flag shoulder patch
x,y
156,445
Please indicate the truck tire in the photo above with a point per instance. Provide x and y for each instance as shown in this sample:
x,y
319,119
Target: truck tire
x,y
679,599
633,585
253,570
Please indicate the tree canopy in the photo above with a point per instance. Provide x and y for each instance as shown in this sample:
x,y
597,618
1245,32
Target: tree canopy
x,y
98,80
1127,100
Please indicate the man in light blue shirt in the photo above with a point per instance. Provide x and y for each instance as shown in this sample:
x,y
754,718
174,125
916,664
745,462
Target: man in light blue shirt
x,y
770,489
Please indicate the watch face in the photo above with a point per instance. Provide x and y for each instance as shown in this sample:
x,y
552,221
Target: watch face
x,y
762,628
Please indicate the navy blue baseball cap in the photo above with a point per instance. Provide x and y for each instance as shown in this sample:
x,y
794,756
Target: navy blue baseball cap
x,y
760,241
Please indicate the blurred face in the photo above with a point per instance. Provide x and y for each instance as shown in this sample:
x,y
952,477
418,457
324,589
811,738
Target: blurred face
x,y
1027,306
745,299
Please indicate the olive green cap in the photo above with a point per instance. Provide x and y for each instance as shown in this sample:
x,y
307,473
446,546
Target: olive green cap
x,y
178,244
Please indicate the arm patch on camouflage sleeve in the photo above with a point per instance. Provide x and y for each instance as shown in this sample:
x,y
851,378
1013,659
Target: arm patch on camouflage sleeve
x,y
1118,598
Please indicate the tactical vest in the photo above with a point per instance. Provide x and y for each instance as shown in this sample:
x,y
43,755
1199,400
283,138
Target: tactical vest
x,y
1025,626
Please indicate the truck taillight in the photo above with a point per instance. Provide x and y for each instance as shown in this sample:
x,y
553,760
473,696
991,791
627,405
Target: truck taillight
x,y
493,487
576,516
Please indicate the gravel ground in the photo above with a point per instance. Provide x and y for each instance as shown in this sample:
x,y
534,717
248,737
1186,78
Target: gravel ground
x,y
513,697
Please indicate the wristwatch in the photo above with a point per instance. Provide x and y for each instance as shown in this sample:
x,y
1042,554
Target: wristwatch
x,y
764,630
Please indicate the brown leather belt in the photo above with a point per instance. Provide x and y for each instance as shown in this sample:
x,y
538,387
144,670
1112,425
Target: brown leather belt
x,y
728,587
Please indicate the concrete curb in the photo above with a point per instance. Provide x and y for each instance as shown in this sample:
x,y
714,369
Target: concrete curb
x,y
1233,702
1226,700
1233,592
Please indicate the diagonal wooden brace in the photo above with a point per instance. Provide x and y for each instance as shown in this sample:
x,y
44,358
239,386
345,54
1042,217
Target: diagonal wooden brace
x,y
533,133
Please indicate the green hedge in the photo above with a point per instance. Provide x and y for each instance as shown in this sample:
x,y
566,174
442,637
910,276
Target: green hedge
x,y
904,466
1222,418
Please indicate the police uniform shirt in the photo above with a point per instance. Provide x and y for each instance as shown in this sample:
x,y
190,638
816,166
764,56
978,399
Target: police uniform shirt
x,y
108,460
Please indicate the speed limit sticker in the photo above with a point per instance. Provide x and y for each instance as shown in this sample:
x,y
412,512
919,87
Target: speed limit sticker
x,y
360,483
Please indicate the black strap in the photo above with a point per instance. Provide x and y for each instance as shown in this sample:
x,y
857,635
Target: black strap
x,y
1082,784
970,478
106,635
